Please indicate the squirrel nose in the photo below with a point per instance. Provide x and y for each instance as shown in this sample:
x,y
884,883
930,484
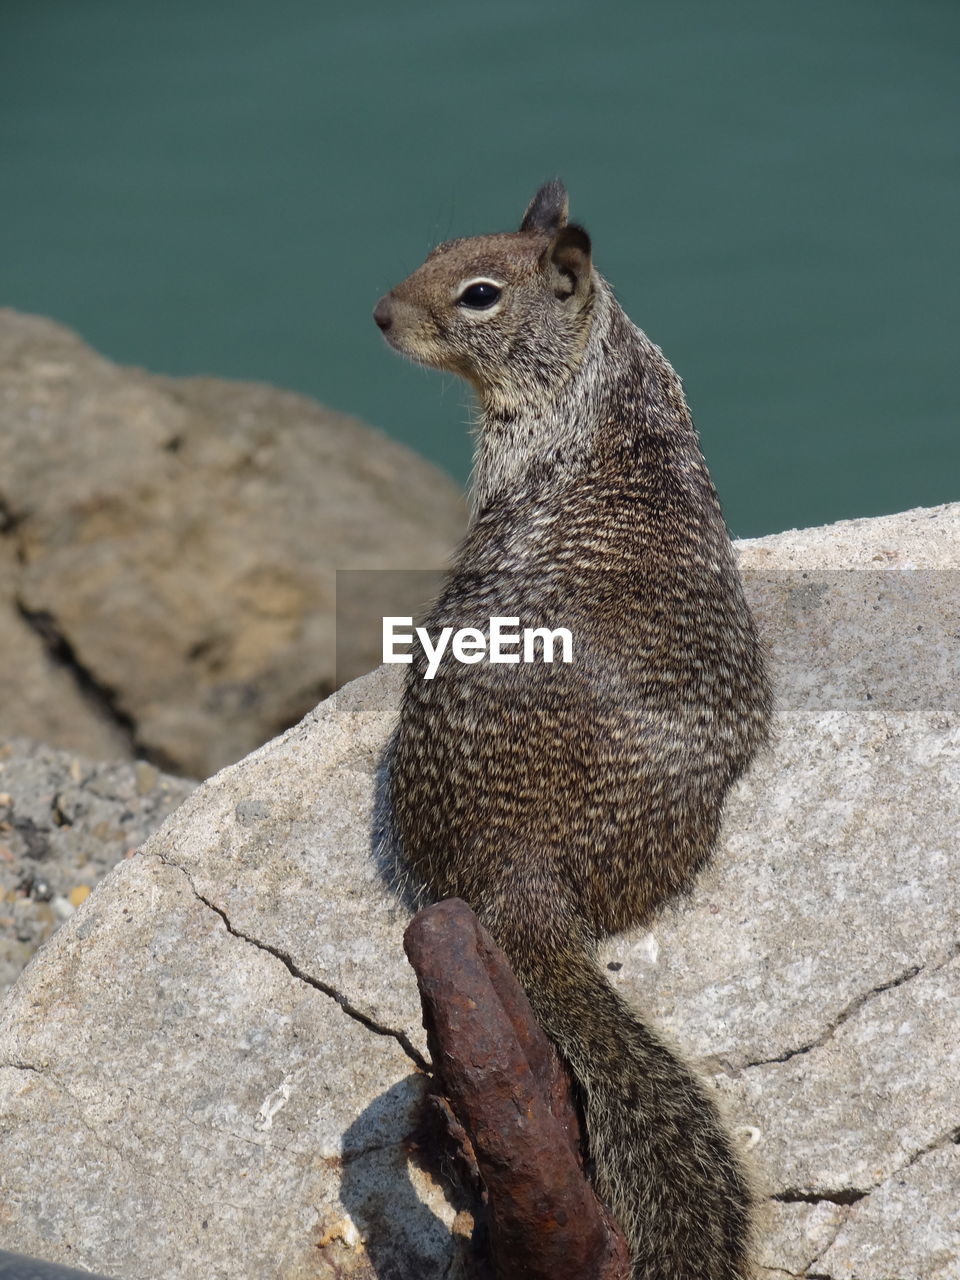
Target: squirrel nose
x,y
383,313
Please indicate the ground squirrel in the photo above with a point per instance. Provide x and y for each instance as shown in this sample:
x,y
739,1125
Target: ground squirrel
x,y
567,802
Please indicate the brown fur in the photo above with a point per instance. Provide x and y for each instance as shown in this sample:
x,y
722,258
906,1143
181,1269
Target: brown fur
x,y
565,803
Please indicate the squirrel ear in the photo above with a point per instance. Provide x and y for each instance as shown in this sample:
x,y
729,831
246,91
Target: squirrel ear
x,y
567,260
547,210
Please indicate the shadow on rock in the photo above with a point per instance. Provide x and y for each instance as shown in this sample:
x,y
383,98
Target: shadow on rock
x,y
390,1179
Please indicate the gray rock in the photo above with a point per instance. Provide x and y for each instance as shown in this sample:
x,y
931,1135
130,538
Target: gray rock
x,y
168,551
224,1040
64,822
906,1227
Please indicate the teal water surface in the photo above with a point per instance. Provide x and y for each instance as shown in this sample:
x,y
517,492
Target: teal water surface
x,y
772,188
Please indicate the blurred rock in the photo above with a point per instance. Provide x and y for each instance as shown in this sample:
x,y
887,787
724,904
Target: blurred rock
x,y
168,550
224,1040
41,697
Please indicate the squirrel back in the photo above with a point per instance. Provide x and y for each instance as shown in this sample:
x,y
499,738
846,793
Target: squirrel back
x,y
567,801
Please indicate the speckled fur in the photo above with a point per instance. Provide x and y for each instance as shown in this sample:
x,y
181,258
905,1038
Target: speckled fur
x,y
565,803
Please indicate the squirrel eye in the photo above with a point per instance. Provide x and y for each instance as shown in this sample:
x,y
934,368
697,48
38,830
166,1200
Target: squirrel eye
x,y
479,295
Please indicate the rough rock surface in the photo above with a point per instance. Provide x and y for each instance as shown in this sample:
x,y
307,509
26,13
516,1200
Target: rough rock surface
x,y
64,822
168,550
224,1041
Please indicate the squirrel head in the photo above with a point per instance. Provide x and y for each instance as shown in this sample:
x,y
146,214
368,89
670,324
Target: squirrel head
x,y
510,312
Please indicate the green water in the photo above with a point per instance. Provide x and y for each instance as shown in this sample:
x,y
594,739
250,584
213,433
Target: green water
x,y
773,189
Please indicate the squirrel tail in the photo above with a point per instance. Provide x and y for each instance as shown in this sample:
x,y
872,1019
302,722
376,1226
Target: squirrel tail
x,y
660,1156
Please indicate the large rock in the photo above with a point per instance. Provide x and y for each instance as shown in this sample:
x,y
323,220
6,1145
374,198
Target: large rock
x,y
168,550
214,1068
40,695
